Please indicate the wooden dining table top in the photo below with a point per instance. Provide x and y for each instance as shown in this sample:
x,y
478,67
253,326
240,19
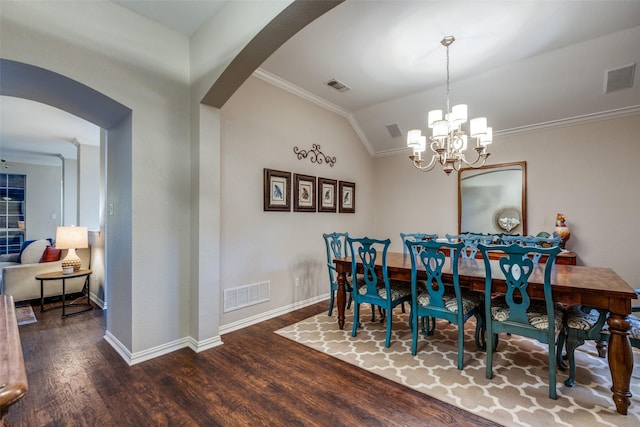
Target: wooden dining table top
x,y
598,287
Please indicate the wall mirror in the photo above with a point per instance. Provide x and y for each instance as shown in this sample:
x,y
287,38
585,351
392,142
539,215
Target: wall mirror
x,y
493,199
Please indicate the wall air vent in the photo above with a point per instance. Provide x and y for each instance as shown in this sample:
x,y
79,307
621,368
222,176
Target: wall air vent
x,y
619,78
339,86
244,296
394,130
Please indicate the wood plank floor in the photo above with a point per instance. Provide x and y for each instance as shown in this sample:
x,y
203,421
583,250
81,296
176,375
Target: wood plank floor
x,y
257,378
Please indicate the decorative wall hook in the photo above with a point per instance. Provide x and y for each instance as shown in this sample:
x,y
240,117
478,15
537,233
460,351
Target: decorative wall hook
x,y
316,156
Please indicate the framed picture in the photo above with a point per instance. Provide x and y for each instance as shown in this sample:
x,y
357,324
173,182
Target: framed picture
x,y
305,193
347,194
327,195
277,190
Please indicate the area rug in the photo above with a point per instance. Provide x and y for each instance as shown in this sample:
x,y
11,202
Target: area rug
x,y
518,392
25,315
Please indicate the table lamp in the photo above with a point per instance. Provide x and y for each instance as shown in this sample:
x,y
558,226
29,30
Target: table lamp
x,y
72,238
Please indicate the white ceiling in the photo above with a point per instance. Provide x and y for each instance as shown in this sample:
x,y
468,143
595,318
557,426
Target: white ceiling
x,y
389,54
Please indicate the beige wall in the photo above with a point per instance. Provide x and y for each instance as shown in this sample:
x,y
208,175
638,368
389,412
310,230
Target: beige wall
x,y
589,172
260,126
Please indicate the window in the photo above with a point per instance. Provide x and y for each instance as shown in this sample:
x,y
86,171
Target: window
x,y
12,212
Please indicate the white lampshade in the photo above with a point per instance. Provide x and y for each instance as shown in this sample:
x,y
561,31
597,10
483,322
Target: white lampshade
x,y
487,138
459,114
440,128
478,126
433,116
413,138
423,144
72,237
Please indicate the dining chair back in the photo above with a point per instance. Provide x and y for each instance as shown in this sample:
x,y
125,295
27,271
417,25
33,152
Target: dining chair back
x,y
375,288
515,312
415,237
431,297
471,242
336,246
532,242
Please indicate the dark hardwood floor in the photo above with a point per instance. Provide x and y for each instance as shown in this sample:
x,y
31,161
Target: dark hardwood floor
x,y
257,378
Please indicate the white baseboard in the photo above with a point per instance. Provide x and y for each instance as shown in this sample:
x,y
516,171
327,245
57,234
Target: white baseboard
x,y
225,329
198,346
99,302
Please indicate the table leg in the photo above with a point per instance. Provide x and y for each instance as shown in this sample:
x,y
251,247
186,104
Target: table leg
x,y
41,296
63,297
620,360
341,299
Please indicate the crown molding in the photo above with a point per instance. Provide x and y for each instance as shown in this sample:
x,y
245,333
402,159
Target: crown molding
x,y
586,118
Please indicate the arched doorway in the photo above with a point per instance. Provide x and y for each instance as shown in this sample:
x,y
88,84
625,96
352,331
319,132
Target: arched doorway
x,y
38,84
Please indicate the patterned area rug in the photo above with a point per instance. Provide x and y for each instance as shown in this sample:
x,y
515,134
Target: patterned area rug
x,y
518,392
25,315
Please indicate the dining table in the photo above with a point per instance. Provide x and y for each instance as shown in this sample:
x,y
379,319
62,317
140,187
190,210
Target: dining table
x,y
596,287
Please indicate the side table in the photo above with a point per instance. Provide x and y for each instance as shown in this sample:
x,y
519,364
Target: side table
x,y
58,275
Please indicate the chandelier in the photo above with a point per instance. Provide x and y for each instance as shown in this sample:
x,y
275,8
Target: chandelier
x,y
448,142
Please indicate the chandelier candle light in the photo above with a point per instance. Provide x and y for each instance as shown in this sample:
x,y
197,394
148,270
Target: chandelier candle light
x,y
449,142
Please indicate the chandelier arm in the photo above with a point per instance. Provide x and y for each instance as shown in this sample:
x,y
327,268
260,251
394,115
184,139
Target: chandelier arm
x,y
478,158
428,167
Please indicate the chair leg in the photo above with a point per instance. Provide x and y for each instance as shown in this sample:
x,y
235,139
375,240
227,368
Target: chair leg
x,y
460,344
562,339
414,334
490,349
387,343
383,313
350,300
356,319
601,347
572,343
496,338
481,342
552,372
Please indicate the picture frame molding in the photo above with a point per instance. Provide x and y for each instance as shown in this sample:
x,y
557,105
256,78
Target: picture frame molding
x,y
349,206
270,178
331,185
304,183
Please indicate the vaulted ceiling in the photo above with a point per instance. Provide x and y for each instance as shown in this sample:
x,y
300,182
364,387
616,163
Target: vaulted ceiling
x,y
521,64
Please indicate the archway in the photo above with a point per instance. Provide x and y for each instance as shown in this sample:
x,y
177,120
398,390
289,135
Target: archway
x,y
38,84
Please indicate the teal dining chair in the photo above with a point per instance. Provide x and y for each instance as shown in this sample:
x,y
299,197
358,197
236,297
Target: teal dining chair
x,y
514,312
415,237
532,242
471,242
581,324
431,298
336,245
584,323
376,288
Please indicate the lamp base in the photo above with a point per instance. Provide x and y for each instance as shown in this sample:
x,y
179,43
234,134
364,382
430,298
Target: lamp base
x,y
72,260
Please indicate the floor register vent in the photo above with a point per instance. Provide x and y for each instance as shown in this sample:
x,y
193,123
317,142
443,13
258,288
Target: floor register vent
x,y
245,296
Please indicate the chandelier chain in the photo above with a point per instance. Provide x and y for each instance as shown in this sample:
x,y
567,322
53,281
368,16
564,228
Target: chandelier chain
x,y
448,85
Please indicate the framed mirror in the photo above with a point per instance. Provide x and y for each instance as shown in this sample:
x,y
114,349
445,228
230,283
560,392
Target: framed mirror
x,y
493,199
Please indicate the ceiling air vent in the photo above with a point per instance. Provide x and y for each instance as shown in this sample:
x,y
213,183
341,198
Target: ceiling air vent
x,y
339,86
394,130
620,78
